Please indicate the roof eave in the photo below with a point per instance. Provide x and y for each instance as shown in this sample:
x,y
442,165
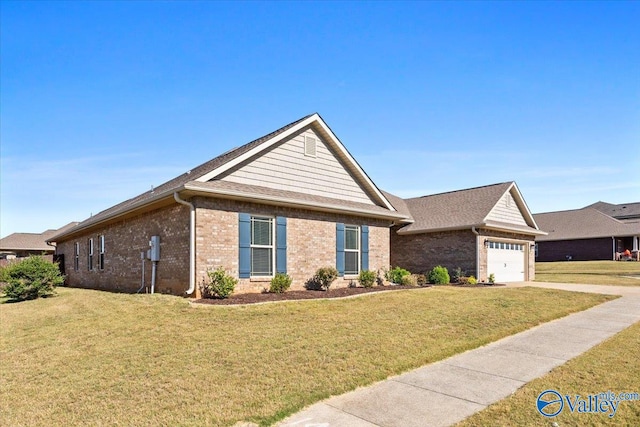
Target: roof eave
x,y
438,229
289,202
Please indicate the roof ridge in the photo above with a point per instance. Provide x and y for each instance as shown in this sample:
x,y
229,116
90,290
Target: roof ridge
x,y
461,190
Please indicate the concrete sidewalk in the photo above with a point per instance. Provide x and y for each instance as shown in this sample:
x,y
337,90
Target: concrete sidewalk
x,y
446,392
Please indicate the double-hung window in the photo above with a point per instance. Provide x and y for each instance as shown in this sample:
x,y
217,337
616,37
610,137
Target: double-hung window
x,y
76,256
90,263
262,246
351,249
101,259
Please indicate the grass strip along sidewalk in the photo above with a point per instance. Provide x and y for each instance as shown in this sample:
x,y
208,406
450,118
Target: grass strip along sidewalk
x,y
614,273
96,358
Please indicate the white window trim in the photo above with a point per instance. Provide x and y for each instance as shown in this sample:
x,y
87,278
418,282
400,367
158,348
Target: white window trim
x,y
358,251
101,255
76,256
253,277
90,258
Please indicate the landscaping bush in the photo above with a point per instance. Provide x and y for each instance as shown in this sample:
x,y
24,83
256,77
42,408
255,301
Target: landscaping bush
x,y
220,285
409,280
367,278
396,274
492,278
439,275
457,274
280,283
421,279
472,280
31,278
323,278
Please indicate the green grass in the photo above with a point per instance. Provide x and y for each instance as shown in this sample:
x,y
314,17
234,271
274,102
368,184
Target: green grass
x,y
96,358
611,366
589,272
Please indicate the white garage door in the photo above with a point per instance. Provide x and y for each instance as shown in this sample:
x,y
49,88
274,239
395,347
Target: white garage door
x,y
506,261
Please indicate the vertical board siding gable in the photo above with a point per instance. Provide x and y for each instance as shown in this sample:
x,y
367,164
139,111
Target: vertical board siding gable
x,y
507,210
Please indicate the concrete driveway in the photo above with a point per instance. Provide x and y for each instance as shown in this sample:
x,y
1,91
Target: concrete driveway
x,y
446,392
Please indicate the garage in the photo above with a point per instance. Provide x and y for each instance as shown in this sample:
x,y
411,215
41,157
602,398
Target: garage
x,y
506,261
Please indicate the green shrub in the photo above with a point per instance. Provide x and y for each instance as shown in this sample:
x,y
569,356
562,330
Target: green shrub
x,y
457,274
367,278
31,278
439,275
323,278
280,283
492,278
220,285
396,274
472,280
409,280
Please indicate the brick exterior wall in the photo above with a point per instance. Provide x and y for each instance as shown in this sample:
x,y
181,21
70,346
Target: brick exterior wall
x,y
419,253
311,243
579,250
124,240
311,240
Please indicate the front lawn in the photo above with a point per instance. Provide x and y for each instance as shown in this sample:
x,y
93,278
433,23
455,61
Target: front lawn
x,y
590,272
610,366
96,358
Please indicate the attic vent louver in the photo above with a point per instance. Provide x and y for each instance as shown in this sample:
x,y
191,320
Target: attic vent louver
x,y
310,146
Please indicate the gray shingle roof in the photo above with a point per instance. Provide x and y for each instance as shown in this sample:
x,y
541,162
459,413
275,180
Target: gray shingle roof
x,y
585,223
31,241
458,210
621,211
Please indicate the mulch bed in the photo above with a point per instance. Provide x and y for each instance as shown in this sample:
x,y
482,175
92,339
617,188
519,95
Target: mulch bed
x,y
253,298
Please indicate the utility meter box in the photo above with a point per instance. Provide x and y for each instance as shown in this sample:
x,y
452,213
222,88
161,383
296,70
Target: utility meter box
x,y
154,252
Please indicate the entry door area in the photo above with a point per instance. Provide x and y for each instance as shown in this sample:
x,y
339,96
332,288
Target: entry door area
x,y
506,261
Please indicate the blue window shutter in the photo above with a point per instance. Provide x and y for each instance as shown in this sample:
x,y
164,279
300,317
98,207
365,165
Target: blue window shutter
x,y
281,244
364,249
340,249
244,262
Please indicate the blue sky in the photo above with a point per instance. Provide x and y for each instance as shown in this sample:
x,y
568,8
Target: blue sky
x,y
101,100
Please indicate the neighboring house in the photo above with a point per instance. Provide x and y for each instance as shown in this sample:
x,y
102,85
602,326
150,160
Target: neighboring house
x,y
626,212
20,245
485,230
290,202
585,234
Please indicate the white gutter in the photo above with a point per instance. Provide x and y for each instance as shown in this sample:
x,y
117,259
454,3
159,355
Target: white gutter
x,y
473,229
192,242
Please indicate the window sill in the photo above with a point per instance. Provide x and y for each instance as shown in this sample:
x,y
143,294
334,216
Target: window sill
x,y
351,276
260,279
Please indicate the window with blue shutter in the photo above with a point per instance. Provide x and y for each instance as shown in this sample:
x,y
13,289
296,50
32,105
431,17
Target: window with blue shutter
x,y
281,244
340,249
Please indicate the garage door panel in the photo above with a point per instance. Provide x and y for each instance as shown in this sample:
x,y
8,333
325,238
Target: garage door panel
x,y
506,263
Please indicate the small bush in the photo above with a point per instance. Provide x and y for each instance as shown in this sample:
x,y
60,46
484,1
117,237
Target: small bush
x,y
439,275
280,283
472,280
492,278
409,280
421,280
323,278
367,278
220,285
457,274
396,274
31,278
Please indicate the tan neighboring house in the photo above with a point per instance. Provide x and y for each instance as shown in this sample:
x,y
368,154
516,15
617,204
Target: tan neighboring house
x,y
21,245
484,230
290,202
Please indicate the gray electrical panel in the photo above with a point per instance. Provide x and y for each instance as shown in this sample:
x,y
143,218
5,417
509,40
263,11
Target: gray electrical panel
x,y
154,252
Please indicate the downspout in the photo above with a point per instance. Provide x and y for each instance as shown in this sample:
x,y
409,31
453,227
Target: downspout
x,y
192,242
613,247
473,229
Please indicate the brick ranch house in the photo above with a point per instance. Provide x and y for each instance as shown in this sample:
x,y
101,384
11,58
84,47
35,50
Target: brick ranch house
x,y
484,230
587,234
291,202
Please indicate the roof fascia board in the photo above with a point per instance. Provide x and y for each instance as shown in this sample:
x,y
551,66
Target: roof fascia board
x,y
532,231
335,142
279,201
127,211
439,229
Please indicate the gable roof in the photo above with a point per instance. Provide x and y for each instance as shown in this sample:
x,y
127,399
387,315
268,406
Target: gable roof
x,y
464,209
585,223
31,241
208,171
621,211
